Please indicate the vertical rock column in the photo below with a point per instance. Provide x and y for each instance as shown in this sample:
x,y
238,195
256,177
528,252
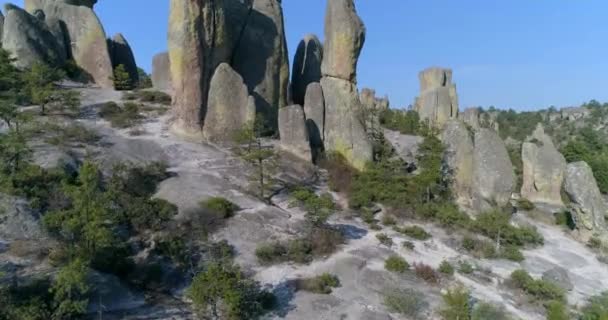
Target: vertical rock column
x,y
344,39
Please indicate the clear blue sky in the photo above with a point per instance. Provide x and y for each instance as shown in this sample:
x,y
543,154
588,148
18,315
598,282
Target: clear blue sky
x,y
523,54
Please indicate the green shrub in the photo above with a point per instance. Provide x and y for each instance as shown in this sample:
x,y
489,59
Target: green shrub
x,y
318,208
388,220
174,247
322,284
538,289
415,232
596,308
320,242
465,267
219,207
396,264
64,135
409,245
124,117
595,243
456,304
488,311
226,287
426,273
406,122
564,218
557,310
479,248
122,79
446,268
340,172
496,224
406,302
384,239
512,253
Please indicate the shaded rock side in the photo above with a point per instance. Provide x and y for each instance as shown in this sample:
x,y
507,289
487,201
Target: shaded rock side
x,y
29,39
18,221
470,116
438,100
344,39
161,72
314,109
543,169
293,131
121,53
202,34
344,133
458,157
230,107
493,174
306,67
86,36
261,58
588,207
1,26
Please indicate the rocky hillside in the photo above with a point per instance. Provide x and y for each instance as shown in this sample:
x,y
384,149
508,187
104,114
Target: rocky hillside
x,y
234,191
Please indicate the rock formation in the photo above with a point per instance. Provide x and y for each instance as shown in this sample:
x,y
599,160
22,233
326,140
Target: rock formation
x,y
293,131
544,169
29,39
459,148
121,53
314,109
230,107
588,206
161,73
261,58
87,42
1,26
247,35
344,38
493,174
306,67
470,116
369,100
438,101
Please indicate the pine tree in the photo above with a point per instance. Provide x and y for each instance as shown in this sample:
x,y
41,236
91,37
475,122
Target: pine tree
x,y
40,83
122,79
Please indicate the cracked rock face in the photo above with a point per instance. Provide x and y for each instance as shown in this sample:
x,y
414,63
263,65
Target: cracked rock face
x,y
344,38
161,73
459,159
544,169
293,131
588,205
438,100
248,35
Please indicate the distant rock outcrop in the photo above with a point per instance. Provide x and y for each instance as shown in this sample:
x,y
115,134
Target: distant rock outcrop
x,y
293,131
344,38
544,169
29,39
161,73
121,53
459,149
438,100
470,116
306,67
493,173
86,37
314,109
371,102
230,107
588,206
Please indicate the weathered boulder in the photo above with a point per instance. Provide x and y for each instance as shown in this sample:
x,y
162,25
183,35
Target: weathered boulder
x,y
121,53
29,39
544,169
293,131
31,4
161,73
306,67
261,58
230,107
87,38
344,132
202,34
344,39
558,276
470,116
438,100
458,157
493,174
18,221
314,109
588,207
